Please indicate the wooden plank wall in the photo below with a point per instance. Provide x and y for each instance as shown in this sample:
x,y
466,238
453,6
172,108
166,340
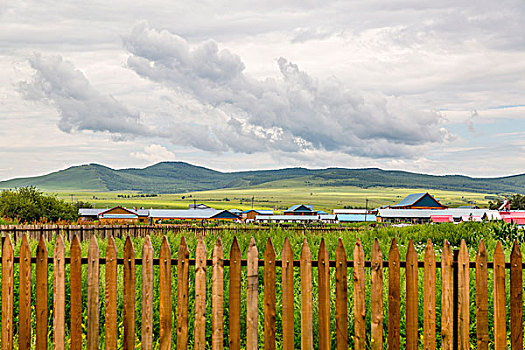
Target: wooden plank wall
x,y
368,329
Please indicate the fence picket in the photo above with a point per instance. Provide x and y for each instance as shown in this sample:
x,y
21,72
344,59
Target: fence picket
x,y
463,297
288,296
306,298
359,297
516,298
41,294
447,282
7,293
129,295
500,327
75,271
110,318
341,297
251,296
323,270
412,297
269,296
183,269
59,290
394,297
24,321
217,295
429,298
147,295
165,295
235,296
482,300
376,296
93,294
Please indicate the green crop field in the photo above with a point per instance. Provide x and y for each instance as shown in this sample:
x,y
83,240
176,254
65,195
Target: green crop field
x,y
277,198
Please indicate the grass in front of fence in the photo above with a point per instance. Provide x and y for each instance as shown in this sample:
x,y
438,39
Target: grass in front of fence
x,y
471,232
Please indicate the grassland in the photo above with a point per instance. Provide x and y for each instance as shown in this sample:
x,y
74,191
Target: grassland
x,y
277,196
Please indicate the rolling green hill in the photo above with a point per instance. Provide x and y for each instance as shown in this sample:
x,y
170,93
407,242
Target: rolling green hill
x,y
179,177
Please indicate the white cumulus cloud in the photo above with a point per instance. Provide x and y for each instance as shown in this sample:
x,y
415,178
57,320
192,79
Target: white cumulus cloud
x,y
293,113
154,153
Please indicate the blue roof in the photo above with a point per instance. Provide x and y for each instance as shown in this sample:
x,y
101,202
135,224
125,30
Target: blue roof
x,y
410,199
419,200
297,206
355,217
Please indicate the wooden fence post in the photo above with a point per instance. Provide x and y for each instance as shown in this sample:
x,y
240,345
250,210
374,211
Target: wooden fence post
x,y
24,325
288,296
147,295
323,269
200,295
482,300
500,327
93,295
359,297
269,296
183,269
165,295
129,295
341,296
376,296
41,294
516,298
429,295
394,297
306,298
463,297
252,296
447,281
217,295
110,324
235,296
7,294
412,297
59,298
75,273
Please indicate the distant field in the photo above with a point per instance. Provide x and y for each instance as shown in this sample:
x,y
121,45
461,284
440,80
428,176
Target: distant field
x,y
277,198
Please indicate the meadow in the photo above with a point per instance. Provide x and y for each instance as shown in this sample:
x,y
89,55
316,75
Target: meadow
x,y
471,232
277,196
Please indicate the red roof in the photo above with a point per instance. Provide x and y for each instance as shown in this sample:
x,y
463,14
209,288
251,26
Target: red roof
x,y
441,218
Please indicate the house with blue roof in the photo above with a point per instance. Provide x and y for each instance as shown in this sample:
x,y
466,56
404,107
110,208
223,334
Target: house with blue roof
x,y
301,209
418,201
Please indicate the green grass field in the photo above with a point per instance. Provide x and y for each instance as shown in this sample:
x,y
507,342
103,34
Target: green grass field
x,y
277,198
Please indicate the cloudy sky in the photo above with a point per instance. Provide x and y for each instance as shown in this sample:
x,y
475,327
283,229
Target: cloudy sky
x,y
435,87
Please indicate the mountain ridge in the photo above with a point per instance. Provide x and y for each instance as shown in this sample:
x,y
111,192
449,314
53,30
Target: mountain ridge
x,y
179,177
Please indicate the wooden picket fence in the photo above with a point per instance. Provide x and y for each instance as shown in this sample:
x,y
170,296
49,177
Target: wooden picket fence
x,y
455,279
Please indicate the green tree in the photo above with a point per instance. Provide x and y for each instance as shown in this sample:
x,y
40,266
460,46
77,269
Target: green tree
x,y
28,204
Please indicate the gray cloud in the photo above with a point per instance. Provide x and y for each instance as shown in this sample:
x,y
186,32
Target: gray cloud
x,y
295,112
81,106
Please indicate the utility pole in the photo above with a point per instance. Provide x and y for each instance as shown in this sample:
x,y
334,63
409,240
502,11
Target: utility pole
x,y
253,197
366,208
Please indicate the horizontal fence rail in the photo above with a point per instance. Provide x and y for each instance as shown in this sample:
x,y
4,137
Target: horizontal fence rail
x,y
455,304
85,232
